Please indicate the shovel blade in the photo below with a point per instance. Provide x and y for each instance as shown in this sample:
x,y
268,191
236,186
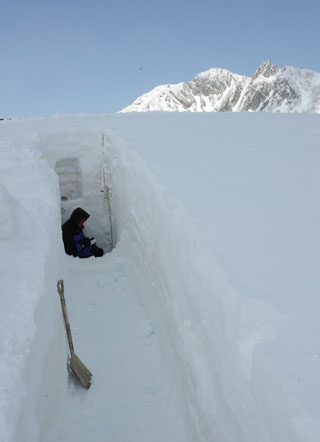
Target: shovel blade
x,y
80,370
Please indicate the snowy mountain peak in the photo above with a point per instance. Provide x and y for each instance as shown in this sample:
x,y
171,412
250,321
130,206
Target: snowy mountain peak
x,y
266,69
271,89
215,72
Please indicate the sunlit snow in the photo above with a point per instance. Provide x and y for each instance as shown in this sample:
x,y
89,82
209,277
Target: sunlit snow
x,y
203,323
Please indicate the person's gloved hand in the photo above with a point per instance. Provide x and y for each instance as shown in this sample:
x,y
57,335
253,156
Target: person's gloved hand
x,y
97,252
85,243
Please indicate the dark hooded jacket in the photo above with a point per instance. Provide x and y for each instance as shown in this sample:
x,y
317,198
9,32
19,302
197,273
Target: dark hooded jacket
x,y
73,238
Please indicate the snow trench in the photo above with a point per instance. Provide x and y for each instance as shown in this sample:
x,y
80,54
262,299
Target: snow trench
x,y
195,312
181,286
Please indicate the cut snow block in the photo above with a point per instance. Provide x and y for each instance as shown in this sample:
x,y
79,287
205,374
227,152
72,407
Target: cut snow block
x,y
70,178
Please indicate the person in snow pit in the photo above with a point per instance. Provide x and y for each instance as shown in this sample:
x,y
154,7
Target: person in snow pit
x,y
75,243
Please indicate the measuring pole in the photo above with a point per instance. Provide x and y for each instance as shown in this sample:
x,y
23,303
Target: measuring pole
x,y
106,189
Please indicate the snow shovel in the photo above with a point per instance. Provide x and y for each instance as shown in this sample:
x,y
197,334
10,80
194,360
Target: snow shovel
x,y
78,368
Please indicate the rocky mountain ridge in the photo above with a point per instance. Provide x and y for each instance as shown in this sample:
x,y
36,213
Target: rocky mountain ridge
x,y
271,89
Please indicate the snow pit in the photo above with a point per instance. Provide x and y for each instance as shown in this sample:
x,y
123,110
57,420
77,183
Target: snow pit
x,y
216,221
187,307
162,386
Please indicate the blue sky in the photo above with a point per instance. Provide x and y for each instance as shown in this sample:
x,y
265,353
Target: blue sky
x,y
95,56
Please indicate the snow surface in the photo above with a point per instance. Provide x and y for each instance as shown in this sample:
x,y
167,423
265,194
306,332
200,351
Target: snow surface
x,y
210,297
131,397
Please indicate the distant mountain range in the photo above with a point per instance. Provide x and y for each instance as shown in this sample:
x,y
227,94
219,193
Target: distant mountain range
x,y
271,89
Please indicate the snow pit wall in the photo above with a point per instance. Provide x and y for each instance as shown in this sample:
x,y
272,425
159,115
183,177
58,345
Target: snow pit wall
x,y
193,305
33,352
200,313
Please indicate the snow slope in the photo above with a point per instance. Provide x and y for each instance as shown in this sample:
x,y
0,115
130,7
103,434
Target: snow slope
x,y
216,221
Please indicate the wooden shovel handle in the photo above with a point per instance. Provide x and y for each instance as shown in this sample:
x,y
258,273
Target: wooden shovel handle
x,y
60,286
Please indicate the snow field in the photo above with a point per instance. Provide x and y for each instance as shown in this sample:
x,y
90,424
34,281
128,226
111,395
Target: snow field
x,y
216,220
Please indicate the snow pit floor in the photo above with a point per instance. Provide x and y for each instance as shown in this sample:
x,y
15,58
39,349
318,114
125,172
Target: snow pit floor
x,y
131,397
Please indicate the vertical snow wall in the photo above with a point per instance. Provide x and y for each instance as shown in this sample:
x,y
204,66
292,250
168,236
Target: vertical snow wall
x,y
194,306
188,295
32,337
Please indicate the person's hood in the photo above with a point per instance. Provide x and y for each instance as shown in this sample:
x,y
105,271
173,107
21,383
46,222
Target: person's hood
x,y
77,216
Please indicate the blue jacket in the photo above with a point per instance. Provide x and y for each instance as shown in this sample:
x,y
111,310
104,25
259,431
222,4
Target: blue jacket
x,y
73,237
